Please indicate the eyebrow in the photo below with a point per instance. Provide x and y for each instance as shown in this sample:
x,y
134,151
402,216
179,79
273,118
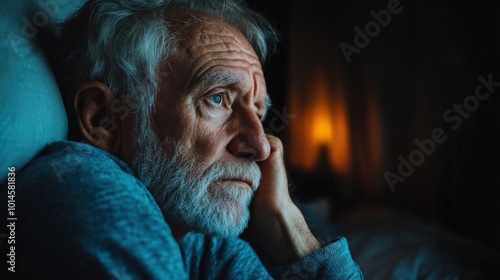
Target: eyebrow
x,y
222,78
217,78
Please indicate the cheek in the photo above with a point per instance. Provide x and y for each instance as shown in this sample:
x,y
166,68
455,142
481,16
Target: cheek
x,y
210,144
168,122
178,124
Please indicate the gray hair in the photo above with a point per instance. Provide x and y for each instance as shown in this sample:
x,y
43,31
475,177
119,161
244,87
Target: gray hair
x,y
124,43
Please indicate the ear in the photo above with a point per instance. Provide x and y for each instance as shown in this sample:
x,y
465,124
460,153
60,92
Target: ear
x,y
96,119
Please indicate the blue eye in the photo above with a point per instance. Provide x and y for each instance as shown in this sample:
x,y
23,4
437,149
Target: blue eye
x,y
216,98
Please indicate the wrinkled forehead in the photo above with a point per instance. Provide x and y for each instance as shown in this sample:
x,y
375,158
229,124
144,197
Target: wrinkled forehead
x,y
194,30
206,46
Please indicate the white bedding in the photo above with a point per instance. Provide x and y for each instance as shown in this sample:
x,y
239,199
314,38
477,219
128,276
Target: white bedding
x,y
391,245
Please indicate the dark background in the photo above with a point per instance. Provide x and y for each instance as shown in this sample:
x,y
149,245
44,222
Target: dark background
x,y
396,90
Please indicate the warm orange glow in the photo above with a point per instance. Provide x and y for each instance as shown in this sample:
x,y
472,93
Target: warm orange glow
x,y
340,148
375,135
322,131
322,121
370,155
335,106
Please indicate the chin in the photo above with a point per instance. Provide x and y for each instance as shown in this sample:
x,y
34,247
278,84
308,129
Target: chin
x,y
229,218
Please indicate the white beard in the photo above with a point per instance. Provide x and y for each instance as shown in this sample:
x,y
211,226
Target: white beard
x,y
190,198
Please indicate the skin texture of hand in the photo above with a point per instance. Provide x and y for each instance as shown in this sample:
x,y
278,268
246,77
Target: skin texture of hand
x,y
277,230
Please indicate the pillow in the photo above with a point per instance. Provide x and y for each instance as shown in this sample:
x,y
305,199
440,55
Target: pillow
x,y
32,113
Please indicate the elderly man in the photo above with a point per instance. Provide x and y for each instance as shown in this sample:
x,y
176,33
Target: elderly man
x,y
172,163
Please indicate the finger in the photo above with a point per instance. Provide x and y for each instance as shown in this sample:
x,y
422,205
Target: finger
x,y
274,176
276,152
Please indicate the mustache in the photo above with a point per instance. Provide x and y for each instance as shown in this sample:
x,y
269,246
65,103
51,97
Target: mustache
x,y
237,170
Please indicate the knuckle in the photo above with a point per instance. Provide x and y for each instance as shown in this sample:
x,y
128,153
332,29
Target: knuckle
x,y
275,142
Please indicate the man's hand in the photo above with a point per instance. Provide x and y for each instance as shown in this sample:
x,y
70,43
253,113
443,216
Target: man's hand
x,y
277,230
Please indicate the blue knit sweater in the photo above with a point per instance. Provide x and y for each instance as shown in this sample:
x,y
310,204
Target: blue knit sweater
x,y
81,214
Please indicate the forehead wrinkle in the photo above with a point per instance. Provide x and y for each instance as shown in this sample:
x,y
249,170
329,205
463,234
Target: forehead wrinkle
x,y
233,52
234,76
213,43
209,38
227,57
216,47
228,54
224,38
203,67
225,47
215,78
205,33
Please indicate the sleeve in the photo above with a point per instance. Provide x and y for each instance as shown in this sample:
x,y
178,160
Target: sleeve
x,y
217,258
94,221
332,262
212,257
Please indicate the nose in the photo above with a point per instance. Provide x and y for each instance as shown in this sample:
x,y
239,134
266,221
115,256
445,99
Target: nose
x,y
250,141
